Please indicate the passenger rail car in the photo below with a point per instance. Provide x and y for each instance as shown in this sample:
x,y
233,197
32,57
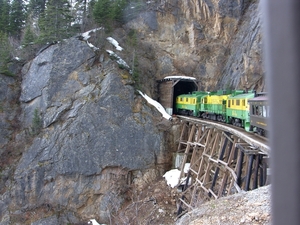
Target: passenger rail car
x,y
259,112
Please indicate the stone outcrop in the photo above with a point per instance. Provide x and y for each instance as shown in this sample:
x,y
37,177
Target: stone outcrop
x,y
92,135
217,41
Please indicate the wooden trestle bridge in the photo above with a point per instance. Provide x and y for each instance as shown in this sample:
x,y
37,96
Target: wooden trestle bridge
x,y
223,161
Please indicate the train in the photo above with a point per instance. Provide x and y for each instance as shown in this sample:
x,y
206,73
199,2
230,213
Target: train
x,y
245,109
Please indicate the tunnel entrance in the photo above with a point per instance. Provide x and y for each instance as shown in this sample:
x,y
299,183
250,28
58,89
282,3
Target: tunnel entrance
x,y
172,86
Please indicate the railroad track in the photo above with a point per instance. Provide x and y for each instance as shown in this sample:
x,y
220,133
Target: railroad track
x,y
253,139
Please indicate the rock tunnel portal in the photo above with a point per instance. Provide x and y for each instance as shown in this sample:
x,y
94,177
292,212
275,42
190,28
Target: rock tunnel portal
x,y
170,87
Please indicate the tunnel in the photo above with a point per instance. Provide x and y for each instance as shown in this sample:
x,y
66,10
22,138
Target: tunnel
x,y
170,87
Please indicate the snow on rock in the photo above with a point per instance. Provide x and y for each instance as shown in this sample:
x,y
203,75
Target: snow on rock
x,y
172,177
186,167
92,46
157,105
114,43
120,61
180,77
86,35
94,222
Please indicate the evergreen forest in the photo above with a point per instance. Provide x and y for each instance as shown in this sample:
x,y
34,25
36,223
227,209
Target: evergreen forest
x,y
34,23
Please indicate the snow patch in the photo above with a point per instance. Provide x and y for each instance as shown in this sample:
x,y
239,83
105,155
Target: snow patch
x,y
114,43
186,167
172,176
86,35
180,77
157,105
92,46
94,222
120,61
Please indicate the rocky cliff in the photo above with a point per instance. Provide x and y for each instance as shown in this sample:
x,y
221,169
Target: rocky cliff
x,y
75,136
216,41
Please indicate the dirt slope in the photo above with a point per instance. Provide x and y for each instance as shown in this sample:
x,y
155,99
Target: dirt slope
x,y
156,204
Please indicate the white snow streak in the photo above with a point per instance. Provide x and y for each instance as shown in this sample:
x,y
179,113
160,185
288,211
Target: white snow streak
x,y
114,43
120,61
86,35
180,77
157,105
94,222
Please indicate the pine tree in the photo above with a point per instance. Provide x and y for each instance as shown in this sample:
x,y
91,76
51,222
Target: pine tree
x,y
55,22
80,14
5,50
17,18
29,36
36,126
101,12
107,12
4,15
36,7
135,72
117,10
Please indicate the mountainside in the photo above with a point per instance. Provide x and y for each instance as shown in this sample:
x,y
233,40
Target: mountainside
x,y
77,141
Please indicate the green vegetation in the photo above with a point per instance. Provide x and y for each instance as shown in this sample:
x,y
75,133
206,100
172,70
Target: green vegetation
x,y
55,21
36,126
135,73
5,50
132,38
39,22
107,13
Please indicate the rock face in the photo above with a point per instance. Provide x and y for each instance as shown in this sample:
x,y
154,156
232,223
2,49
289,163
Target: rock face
x,y
85,135
217,41
90,136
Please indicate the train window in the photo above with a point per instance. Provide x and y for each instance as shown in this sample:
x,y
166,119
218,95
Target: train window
x,y
264,111
228,103
232,102
253,110
181,99
238,102
205,100
194,101
259,110
243,102
186,99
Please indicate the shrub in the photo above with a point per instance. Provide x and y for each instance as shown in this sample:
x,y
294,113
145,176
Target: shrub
x,y
36,123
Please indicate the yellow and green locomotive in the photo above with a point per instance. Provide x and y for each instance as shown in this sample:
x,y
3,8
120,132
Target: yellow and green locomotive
x,y
237,111
230,107
190,104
